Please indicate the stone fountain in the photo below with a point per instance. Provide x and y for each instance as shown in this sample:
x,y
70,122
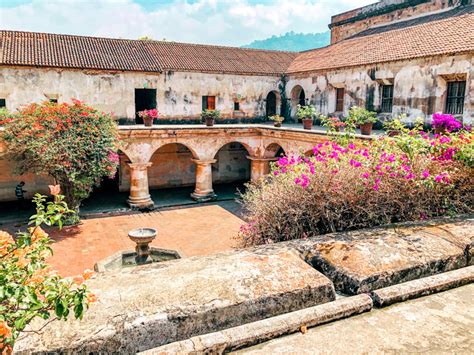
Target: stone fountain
x,y
143,254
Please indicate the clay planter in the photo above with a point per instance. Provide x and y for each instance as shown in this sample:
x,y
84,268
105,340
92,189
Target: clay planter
x,y
148,121
307,123
366,129
276,124
393,132
209,122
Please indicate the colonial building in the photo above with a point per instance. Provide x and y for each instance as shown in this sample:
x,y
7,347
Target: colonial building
x,y
395,56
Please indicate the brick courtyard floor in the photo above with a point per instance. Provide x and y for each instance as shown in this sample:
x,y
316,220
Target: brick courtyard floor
x,y
196,230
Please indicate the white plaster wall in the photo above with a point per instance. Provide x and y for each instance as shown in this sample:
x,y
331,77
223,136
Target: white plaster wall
x,y
419,86
179,94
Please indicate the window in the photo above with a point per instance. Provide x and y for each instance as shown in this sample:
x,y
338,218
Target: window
x,y
3,103
236,106
455,97
54,101
386,101
145,99
208,103
339,99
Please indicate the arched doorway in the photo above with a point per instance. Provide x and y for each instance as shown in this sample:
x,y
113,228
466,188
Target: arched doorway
x,y
231,169
271,104
298,97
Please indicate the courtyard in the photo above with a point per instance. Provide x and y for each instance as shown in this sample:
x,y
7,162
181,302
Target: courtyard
x,y
171,197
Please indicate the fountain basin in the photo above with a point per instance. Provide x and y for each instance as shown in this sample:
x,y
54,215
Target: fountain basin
x,y
143,254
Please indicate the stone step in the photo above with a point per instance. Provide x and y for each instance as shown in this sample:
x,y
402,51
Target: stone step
x,y
145,307
365,260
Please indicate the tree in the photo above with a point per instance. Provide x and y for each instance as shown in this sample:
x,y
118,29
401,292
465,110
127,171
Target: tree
x,y
28,288
73,143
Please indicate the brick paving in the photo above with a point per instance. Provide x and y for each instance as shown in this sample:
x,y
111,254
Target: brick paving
x,y
197,230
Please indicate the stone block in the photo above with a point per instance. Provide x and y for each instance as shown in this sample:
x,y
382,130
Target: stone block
x,y
145,307
365,260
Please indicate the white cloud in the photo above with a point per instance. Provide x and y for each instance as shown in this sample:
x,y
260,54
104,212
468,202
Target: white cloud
x,y
203,21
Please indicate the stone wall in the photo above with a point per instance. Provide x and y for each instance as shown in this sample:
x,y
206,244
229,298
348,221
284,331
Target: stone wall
x,y
351,22
178,96
419,86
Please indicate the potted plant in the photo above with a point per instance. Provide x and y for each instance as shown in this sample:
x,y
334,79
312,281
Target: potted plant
x,y
306,114
277,120
333,124
396,126
443,123
148,116
365,119
209,116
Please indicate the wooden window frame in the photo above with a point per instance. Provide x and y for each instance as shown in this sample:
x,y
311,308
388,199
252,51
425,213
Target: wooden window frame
x,y
208,102
3,102
386,98
455,96
340,92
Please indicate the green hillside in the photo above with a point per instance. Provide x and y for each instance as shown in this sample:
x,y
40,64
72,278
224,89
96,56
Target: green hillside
x,y
291,41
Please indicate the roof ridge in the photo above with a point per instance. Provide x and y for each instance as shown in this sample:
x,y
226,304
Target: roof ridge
x,y
150,40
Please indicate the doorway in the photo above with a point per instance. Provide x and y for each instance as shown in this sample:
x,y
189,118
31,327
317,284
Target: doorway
x,y
145,99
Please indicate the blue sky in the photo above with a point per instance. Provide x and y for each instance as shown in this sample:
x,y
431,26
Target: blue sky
x,y
225,22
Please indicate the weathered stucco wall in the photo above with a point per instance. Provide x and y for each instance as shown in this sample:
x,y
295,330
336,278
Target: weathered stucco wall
x,y
351,22
178,96
419,86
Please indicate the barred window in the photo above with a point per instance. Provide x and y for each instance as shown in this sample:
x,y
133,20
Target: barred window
x,y
387,98
339,99
455,97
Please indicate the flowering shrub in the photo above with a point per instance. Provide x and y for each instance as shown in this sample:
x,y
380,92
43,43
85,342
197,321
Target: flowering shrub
x,y
445,122
359,116
361,185
28,288
73,143
333,124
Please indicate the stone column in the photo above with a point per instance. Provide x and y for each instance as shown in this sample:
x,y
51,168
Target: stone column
x,y
259,167
203,191
139,191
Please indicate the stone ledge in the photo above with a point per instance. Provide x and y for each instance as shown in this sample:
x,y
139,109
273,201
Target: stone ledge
x,y
423,287
145,307
365,260
256,332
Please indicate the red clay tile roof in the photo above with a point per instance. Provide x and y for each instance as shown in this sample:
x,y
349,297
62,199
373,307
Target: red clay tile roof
x,y
437,34
66,51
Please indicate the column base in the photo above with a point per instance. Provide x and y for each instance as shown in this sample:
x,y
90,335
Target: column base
x,y
211,196
144,203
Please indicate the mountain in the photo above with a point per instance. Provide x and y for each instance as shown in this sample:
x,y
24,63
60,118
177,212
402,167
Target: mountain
x,y
291,41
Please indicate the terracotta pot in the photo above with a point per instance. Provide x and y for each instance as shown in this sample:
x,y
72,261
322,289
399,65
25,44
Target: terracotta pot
x,y
366,129
277,124
337,129
393,132
307,123
148,121
209,122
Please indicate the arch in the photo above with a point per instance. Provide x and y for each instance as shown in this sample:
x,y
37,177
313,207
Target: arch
x,y
232,164
184,144
273,104
172,166
298,97
274,150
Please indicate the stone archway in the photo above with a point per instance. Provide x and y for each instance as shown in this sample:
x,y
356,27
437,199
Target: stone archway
x,y
274,150
172,166
231,164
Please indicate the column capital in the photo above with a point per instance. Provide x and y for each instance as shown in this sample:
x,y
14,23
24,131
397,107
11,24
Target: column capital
x,y
140,166
262,159
204,161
